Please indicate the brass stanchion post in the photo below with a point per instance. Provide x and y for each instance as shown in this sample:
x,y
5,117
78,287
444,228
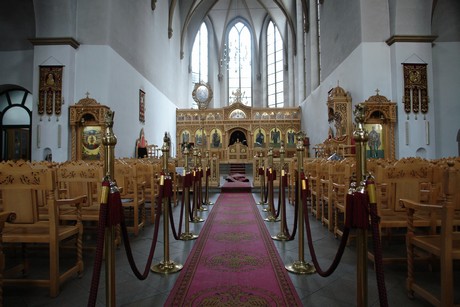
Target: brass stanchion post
x,y
271,206
262,178
201,202
166,266
109,140
187,235
196,218
282,235
208,169
360,136
300,266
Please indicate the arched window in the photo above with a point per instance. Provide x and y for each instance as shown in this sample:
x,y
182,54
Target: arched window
x,y
199,62
275,64
239,72
15,123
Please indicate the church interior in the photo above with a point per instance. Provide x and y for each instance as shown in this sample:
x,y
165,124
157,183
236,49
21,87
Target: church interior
x,y
284,136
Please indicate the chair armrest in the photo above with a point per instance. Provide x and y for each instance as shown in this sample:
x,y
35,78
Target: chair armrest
x,y
72,201
410,204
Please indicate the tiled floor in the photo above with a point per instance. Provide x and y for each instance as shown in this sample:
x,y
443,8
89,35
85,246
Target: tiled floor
x,y
339,289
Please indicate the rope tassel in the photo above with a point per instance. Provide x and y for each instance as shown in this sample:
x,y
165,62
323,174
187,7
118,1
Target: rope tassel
x,y
114,206
361,210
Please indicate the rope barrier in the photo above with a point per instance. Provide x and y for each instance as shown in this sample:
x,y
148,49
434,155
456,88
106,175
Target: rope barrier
x,y
111,213
343,243
378,261
99,242
127,244
360,207
282,193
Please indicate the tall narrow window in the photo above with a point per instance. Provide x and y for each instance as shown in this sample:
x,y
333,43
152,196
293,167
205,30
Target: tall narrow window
x,y
318,26
239,64
275,64
200,56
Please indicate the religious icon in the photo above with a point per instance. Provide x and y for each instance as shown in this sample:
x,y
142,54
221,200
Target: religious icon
x,y
200,137
275,136
216,139
185,137
259,138
141,106
91,141
374,146
290,136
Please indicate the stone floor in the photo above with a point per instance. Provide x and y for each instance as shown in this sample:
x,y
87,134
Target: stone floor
x,y
339,289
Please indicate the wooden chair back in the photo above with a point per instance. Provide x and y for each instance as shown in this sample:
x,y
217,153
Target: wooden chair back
x,y
22,188
444,244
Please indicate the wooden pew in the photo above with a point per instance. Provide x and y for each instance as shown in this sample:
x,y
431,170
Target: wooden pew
x,y
131,178
314,186
343,172
76,178
443,244
406,178
21,188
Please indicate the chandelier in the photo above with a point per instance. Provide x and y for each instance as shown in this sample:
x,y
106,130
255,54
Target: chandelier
x,y
234,55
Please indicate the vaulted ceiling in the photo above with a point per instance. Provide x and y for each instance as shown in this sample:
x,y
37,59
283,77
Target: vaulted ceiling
x,y
220,12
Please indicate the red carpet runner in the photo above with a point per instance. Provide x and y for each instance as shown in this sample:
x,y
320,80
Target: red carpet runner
x,y
234,261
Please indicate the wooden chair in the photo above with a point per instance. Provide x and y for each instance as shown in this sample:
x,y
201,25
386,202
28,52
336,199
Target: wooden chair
x,y
150,169
21,187
325,193
340,184
80,178
444,244
4,217
406,179
132,182
314,179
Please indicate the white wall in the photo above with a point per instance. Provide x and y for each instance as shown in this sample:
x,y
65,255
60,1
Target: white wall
x,y
120,91
446,74
16,68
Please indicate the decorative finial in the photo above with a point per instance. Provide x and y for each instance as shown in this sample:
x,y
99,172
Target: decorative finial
x,y
108,118
377,91
359,113
87,94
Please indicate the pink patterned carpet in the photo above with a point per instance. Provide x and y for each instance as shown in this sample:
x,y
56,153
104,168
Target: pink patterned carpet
x,y
234,261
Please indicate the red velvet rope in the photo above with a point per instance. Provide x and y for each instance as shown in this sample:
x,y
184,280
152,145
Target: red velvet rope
x,y
357,209
127,244
114,208
99,243
343,242
379,273
168,192
187,180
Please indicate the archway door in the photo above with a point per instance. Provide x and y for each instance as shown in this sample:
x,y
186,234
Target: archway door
x,y
238,135
238,150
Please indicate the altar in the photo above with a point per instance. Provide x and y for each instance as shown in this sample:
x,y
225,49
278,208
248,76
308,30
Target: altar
x,y
238,132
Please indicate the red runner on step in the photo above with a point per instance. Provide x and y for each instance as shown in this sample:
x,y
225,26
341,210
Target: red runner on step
x,y
234,261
